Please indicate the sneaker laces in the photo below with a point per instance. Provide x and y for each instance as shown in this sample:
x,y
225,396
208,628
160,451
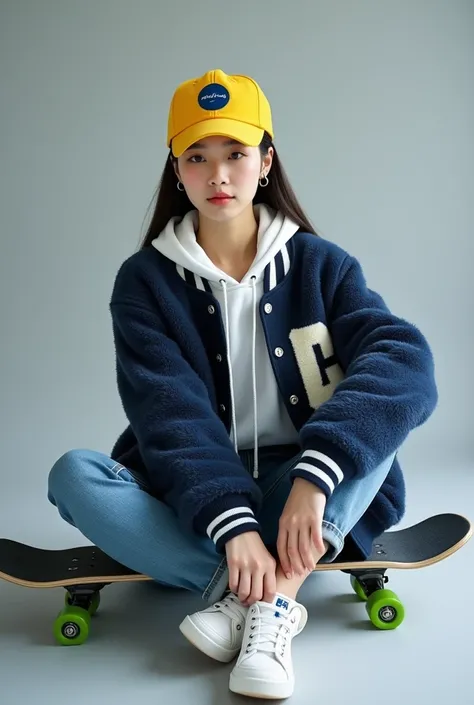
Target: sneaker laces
x,y
264,634
231,606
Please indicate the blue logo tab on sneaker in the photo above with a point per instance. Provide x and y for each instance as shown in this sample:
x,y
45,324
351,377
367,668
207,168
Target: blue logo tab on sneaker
x,y
213,97
281,602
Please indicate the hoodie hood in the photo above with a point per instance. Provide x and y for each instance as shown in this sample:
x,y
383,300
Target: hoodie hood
x,y
178,243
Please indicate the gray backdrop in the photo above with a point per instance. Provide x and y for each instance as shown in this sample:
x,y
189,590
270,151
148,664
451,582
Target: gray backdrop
x,y
374,111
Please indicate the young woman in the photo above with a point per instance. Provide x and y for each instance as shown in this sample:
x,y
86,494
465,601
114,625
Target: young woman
x,y
267,389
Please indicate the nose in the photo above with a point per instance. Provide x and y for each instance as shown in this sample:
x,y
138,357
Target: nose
x,y
219,175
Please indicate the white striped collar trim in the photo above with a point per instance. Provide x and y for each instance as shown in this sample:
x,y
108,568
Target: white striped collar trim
x,y
273,274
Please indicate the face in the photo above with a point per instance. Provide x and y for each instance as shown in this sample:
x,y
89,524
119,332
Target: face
x,y
217,166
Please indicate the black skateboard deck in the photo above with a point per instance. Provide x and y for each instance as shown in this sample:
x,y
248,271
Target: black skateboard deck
x,y
85,570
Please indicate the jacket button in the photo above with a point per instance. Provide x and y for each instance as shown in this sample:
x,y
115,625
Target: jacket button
x,y
294,399
211,309
222,407
279,352
268,308
219,357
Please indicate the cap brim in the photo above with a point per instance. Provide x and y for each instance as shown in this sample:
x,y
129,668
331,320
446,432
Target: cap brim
x,y
240,131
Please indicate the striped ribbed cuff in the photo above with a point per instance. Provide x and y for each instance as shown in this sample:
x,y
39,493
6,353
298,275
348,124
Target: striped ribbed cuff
x,y
226,518
326,467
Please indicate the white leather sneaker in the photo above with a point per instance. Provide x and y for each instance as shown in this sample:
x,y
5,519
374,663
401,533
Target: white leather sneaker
x,y
264,668
218,630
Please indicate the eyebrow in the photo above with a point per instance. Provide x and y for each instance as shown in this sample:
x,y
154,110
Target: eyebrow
x,y
201,145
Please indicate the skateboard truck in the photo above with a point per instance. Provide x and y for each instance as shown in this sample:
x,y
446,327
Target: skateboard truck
x,y
370,581
82,595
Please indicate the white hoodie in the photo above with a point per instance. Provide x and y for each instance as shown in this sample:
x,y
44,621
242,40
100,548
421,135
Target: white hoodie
x,y
259,415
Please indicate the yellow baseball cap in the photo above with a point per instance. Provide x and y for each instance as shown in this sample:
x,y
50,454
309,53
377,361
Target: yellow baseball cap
x,y
218,104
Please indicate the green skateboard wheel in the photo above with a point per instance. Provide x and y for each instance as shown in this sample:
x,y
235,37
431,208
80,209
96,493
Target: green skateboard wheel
x,y
71,626
385,609
358,589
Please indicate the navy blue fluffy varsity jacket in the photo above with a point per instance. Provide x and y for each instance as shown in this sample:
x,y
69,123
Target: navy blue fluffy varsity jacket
x,y
353,379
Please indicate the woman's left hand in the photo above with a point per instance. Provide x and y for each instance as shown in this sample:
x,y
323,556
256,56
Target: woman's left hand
x,y
300,544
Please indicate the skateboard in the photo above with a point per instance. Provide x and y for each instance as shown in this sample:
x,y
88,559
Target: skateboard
x,y
83,571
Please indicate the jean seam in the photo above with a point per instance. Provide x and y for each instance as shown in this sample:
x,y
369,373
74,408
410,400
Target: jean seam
x,y
214,581
334,536
333,529
121,467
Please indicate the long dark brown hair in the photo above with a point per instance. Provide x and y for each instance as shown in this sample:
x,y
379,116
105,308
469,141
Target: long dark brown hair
x,y
279,195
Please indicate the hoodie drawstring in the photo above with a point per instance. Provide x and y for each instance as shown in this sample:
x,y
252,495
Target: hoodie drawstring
x,y
254,375
254,379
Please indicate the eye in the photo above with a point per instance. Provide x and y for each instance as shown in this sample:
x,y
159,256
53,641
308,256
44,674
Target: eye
x,y
237,155
195,157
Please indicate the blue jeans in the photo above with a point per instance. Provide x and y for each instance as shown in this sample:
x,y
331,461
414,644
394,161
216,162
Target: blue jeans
x,y
112,508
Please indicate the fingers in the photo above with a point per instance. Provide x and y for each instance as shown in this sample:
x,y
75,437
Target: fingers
x,y
317,538
256,592
269,586
258,584
306,549
263,584
234,574
245,585
282,548
252,569
294,552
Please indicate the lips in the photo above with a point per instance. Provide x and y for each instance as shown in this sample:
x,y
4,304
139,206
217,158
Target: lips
x,y
220,199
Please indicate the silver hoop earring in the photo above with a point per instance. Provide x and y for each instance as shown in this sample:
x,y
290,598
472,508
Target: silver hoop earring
x,y
266,181
178,185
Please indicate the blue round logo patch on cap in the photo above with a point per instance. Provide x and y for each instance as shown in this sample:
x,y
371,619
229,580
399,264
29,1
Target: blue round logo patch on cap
x,y
213,97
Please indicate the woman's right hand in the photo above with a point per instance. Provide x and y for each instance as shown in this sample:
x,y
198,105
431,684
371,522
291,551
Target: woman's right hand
x,y
252,568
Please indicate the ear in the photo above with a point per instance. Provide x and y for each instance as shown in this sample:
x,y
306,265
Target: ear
x,y
267,162
175,167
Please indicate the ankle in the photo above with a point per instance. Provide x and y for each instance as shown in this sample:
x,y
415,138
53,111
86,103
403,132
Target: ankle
x,y
290,586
